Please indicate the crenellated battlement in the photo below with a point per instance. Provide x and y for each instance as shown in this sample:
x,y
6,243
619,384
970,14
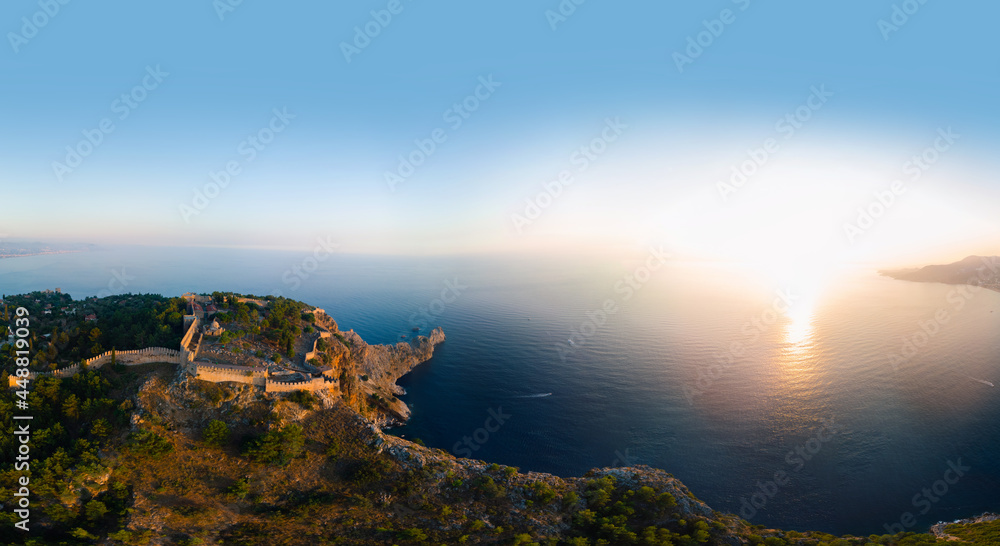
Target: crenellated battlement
x,y
185,357
133,357
318,383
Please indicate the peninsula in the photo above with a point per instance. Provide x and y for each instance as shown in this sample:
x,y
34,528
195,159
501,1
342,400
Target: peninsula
x,y
974,270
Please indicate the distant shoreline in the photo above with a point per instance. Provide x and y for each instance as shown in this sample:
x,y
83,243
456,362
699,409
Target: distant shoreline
x,y
2,256
972,271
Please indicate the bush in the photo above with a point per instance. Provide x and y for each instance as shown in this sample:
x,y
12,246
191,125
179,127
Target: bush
x,y
488,487
303,398
413,534
278,447
240,488
216,433
372,470
95,510
543,492
146,442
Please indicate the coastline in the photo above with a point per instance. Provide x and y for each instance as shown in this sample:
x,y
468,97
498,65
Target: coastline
x,y
6,256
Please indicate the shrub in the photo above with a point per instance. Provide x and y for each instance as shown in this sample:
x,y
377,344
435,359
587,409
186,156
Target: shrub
x,y
303,398
413,534
278,447
240,488
146,442
95,510
543,492
488,487
372,470
216,433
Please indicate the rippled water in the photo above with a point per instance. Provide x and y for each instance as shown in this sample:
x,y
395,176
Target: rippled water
x,y
659,382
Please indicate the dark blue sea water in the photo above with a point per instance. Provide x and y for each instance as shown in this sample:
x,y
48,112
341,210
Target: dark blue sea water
x,y
658,382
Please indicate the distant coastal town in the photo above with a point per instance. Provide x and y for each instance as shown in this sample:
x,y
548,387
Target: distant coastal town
x,y
23,250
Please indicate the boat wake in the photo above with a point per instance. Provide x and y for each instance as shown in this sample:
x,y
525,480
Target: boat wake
x,y
541,395
983,381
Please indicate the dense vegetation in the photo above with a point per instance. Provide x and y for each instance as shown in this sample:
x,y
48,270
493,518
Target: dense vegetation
x,y
63,336
74,420
980,533
280,323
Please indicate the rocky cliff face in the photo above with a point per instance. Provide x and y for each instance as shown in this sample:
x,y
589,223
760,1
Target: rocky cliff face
x,y
378,367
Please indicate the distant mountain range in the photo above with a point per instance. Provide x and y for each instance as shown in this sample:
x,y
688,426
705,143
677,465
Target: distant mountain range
x,y
14,249
972,270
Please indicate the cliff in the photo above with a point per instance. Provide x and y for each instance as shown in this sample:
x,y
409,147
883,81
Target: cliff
x,y
975,270
378,367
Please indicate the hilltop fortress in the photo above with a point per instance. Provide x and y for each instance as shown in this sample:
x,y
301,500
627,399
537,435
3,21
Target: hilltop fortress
x,y
371,370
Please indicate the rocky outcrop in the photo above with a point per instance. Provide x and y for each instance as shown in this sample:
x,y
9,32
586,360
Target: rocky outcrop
x,y
938,529
378,367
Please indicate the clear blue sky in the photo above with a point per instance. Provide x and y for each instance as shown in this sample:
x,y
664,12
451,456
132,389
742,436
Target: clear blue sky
x,y
324,174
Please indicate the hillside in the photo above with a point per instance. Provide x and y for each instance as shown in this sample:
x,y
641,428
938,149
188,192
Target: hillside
x,y
974,270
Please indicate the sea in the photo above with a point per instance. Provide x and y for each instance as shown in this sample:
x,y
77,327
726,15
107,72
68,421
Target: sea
x,y
859,404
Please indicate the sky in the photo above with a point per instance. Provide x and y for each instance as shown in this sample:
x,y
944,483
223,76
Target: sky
x,y
851,131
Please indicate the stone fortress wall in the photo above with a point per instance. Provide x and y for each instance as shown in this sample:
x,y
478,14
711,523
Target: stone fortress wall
x,y
219,374
133,358
185,357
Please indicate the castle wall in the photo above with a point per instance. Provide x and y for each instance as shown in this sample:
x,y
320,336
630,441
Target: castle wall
x,y
315,384
312,354
185,357
132,358
218,375
189,334
128,358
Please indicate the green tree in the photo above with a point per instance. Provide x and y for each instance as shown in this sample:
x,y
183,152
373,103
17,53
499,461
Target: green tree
x,y
100,428
216,433
95,510
71,407
278,447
